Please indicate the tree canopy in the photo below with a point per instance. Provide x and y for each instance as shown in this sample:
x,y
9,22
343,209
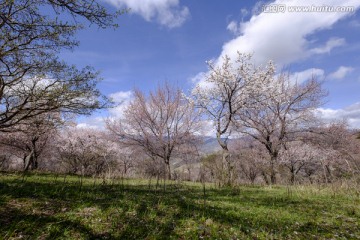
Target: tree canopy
x,y
33,80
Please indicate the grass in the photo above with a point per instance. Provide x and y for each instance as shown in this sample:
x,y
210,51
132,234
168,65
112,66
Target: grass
x,y
45,206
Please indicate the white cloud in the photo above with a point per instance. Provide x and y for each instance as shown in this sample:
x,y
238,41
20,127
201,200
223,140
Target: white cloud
x,y
92,122
207,129
340,73
284,37
200,81
120,97
257,8
244,12
307,74
330,44
355,23
350,113
123,100
233,27
200,77
166,12
86,126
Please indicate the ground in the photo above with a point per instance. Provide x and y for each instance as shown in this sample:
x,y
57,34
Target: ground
x,y
47,206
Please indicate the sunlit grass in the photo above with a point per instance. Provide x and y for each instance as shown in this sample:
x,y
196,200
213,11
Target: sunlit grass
x,y
47,206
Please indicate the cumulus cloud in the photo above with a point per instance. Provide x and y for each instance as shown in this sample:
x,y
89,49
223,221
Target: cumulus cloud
x,y
284,37
340,73
350,113
122,99
92,122
307,74
208,128
166,12
200,80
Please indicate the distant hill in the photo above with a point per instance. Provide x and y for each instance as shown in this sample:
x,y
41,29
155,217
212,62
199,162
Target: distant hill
x,y
209,145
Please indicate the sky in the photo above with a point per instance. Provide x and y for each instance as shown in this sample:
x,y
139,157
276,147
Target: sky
x,y
171,40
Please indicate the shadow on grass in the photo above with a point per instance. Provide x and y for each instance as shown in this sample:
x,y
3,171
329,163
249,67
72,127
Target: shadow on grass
x,y
50,209
17,223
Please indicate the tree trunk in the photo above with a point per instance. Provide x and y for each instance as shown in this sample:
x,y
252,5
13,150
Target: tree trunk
x,y
272,168
263,173
273,177
292,179
310,179
228,167
125,169
168,170
30,161
34,162
292,174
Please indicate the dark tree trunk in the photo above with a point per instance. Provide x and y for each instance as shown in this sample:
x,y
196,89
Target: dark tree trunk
x,y
272,170
252,176
273,161
292,178
125,169
31,160
263,173
168,170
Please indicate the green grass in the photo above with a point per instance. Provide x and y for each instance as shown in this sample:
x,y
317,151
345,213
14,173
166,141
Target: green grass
x,y
43,206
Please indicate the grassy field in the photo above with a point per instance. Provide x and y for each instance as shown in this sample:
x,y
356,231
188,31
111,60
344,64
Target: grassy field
x,y
43,206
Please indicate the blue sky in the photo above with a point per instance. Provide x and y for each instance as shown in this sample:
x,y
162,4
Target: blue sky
x,y
170,40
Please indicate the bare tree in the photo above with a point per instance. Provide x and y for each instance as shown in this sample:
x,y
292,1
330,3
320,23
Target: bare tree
x,y
288,109
33,81
158,123
228,89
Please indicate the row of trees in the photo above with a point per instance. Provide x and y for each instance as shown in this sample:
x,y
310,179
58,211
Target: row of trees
x,y
325,156
264,122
